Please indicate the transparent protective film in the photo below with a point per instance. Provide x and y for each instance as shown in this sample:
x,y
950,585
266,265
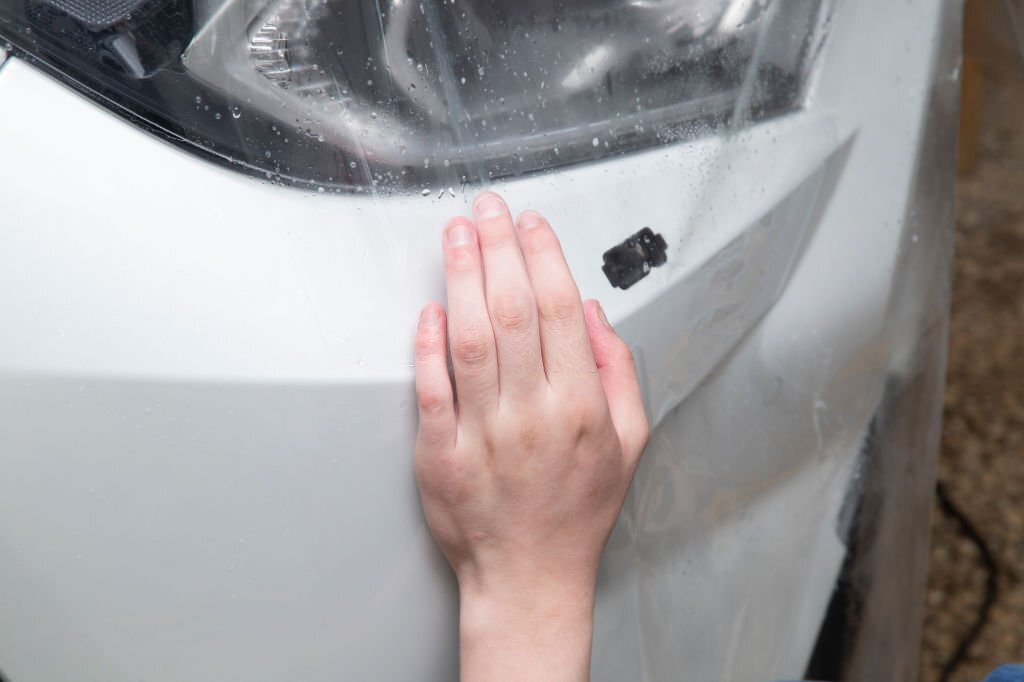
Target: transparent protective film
x,y
207,375
808,450
873,626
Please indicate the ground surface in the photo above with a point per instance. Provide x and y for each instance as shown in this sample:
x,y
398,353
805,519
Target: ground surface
x,y
982,458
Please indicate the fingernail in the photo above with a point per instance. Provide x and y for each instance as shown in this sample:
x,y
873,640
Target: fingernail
x,y
530,219
489,205
458,235
601,316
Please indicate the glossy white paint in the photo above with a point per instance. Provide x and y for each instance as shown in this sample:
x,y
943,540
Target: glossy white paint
x,y
208,417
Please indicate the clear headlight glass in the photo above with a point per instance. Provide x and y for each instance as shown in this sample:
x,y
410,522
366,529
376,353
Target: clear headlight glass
x,y
387,95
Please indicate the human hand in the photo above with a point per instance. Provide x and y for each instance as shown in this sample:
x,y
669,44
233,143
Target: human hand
x,y
524,464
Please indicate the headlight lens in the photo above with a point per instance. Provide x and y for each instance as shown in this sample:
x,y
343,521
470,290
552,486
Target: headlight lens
x,y
392,95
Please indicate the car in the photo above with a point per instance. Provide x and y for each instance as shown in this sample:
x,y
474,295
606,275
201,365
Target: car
x,y
219,218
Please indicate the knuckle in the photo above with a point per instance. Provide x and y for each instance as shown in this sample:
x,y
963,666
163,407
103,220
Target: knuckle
x,y
529,436
539,239
513,312
583,412
494,236
472,347
427,345
560,307
443,474
461,259
432,400
457,485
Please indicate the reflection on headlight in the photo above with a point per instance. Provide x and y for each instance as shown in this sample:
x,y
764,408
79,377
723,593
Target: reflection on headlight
x,y
390,94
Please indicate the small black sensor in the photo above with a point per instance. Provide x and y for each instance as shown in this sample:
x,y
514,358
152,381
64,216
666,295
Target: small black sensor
x,y
631,261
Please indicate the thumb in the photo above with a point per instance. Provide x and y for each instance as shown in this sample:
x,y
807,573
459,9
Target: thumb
x,y
618,376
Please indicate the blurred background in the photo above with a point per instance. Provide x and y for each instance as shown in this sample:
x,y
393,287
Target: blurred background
x,y
975,598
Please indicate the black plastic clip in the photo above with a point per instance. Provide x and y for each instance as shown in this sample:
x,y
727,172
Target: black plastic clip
x,y
631,261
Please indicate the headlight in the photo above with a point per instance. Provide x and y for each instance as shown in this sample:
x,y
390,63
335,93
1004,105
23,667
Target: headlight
x,y
423,94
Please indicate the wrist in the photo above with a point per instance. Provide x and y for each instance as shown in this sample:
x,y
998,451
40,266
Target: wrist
x,y
536,605
534,631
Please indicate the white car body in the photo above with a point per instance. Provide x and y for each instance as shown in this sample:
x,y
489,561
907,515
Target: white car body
x,y
206,408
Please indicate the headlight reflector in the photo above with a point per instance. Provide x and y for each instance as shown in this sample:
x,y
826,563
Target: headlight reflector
x,y
396,94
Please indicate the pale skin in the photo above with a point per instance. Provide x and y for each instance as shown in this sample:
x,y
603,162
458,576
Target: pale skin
x,y
524,460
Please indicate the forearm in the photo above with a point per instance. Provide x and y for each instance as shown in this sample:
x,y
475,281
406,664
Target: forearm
x,y
526,635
